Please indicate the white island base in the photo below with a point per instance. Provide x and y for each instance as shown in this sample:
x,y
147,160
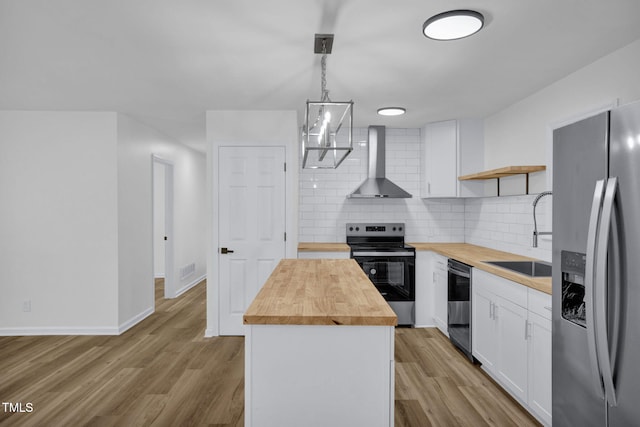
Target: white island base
x,y
319,375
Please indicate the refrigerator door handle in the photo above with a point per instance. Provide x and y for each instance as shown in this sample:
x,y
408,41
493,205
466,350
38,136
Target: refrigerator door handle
x,y
601,291
592,236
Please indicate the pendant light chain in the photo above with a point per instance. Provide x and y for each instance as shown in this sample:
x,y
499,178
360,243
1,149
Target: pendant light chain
x,y
323,77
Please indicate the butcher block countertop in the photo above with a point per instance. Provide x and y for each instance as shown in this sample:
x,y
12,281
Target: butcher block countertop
x,y
475,255
323,247
464,252
319,292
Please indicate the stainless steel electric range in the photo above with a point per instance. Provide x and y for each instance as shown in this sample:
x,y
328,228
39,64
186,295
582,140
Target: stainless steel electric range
x,y
389,263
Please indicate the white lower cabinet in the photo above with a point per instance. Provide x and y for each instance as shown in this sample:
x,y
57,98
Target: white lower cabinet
x,y
512,345
484,325
540,360
431,290
424,289
324,254
439,273
512,339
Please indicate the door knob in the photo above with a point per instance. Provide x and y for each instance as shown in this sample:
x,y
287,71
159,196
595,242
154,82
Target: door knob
x,y
225,251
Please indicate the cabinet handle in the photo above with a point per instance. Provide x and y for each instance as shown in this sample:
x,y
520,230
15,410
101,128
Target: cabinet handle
x,y
526,330
490,309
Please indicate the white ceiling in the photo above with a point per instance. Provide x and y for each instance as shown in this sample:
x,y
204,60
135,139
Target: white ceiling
x,y
166,62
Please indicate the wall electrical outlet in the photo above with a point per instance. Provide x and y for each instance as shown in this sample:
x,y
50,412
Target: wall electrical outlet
x,y
26,306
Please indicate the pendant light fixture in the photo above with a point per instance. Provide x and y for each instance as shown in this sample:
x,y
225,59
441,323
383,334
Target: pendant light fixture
x,y
327,132
453,25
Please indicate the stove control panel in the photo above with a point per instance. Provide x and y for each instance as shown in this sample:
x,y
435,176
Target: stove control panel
x,y
375,229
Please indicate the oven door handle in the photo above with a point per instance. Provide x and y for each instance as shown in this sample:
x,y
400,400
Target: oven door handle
x,y
385,254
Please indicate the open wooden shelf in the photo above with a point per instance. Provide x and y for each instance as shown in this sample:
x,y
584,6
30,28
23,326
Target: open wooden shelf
x,y
503,172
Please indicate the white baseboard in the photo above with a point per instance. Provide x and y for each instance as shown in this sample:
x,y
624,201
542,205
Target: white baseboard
x,y
190,285
33,331
432,325
210,333
135,320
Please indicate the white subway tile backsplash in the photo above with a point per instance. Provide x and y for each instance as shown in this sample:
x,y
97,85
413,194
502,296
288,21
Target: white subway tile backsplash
x,y
325,210
506,223
503,223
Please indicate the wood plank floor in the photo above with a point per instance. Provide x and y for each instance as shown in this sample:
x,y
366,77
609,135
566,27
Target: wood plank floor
x,y
437,386
163,372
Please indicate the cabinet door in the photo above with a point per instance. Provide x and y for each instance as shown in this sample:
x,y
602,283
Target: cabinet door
x,y
513,347
322,255
540,367
440,293
440,159
484,330
424,289
470,156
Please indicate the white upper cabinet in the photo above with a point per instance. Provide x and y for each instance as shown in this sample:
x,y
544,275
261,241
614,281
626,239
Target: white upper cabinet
x,y
439,159
452,148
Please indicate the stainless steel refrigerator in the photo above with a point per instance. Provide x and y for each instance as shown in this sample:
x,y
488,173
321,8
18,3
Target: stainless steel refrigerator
x,y
596,270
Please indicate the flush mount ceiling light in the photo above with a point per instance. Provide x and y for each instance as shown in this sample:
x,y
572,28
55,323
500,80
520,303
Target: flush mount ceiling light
x,y
453,25
391,111
327,134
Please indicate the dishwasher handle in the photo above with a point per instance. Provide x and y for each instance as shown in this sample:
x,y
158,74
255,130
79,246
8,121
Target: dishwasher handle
x,y
459,269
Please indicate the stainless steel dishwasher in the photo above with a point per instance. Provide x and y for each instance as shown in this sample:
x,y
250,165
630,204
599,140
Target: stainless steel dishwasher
x,y
459,305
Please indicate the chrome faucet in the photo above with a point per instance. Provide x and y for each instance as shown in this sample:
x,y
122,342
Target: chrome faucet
x,y
537,233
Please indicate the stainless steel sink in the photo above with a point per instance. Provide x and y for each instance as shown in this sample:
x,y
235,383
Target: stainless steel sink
x,y
529,268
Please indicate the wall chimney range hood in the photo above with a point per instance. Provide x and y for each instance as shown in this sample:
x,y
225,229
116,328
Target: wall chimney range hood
x,y
377,184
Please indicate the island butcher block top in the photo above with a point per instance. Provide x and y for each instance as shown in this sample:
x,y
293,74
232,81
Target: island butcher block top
x,y
319,292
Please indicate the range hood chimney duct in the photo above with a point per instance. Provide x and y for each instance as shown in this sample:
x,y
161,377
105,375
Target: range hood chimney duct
x,y
377,184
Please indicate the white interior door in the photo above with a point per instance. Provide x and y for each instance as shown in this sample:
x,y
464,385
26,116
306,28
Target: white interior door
x,y
251,226
163,224
158,221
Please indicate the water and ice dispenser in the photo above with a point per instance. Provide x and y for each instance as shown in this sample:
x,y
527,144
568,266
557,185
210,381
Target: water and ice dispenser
x,y
572,270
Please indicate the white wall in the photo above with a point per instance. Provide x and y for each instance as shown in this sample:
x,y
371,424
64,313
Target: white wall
x,y
58,222
324,208
520,134
136,145
75,222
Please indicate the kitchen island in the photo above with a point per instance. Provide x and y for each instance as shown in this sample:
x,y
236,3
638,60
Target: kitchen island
x,y
319,343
